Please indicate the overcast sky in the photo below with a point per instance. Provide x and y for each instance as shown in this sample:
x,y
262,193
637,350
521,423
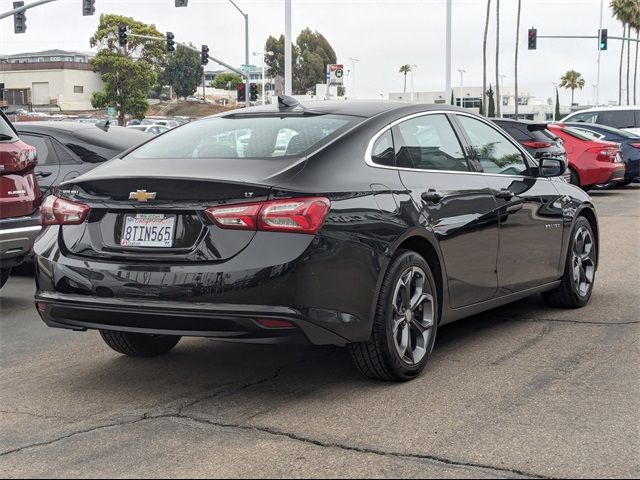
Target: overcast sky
x,y
383,34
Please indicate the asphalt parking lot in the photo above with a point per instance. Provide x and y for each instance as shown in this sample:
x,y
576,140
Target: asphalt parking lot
x,y
524,390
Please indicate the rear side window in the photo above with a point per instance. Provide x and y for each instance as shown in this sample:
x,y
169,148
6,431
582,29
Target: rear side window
x,y
618,118
247,137
429,143
383,152
587,117
44,149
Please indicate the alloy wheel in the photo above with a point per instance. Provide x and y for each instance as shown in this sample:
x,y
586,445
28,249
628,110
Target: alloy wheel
x,y
583,261
413,316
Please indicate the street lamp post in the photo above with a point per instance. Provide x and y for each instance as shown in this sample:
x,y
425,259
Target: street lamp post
x,y
462,72
502,75
246,51
353,79
555,100
412,89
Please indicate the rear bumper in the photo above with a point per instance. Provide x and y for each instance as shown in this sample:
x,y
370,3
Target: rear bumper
x,y
322,285
17,236
617,175
224,322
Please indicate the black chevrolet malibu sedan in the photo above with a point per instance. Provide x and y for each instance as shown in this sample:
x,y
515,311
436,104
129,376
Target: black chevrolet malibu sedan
x,y
359,224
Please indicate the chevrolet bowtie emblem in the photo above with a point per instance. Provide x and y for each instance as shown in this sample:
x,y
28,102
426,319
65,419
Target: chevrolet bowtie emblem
x,y
142,196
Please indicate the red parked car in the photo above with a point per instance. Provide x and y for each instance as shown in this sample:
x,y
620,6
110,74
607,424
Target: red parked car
x,y
591,162
19,199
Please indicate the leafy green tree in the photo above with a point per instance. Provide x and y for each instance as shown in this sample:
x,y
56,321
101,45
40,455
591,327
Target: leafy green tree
x,y
405,69
572,80
275,62
492,104
481,112
127,73
311,54
222,80
183,71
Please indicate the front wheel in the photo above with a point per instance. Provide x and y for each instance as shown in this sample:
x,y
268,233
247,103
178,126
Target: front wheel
x,y
139,344
405,324
580,269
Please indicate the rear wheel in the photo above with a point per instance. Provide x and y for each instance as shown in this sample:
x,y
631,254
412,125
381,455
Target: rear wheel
x,y
139,344
626,182
574,178
4,276
405,324
580,269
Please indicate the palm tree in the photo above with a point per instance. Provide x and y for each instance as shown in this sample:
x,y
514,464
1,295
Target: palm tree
x,y
405,69
484,55
498,98
572,80
635,23
517,44
624,10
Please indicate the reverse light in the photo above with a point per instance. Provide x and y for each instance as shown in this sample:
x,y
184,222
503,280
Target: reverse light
x,y
299,215
535,144
58,211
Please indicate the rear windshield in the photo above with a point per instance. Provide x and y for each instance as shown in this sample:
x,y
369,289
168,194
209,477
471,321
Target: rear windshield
x,y
247,137
578,134
6,132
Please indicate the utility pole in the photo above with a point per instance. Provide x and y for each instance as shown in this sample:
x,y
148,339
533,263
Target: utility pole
x,y
502,75
246,50
353,79
448,49
288,67
597,97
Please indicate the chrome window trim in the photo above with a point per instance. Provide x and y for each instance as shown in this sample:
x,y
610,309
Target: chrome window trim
x,y
368,156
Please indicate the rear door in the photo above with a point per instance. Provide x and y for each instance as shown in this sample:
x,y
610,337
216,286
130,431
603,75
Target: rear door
x,y
529,209
457,204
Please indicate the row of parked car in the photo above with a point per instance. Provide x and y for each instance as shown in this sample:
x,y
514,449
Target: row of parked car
x,y
597,155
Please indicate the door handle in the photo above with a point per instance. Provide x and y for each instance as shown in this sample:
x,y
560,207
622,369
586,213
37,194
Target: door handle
x,y
43,174
432,196
505,194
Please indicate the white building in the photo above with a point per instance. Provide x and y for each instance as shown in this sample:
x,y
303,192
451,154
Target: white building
x,y
48,80
529,107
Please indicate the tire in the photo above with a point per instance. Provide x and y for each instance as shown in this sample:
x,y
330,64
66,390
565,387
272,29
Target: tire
x,y
579,271
380,357
139,344
4,276
626,182
575,179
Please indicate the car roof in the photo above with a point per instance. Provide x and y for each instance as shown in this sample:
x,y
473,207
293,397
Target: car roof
x,y
115,137
605,109
365,109
517,122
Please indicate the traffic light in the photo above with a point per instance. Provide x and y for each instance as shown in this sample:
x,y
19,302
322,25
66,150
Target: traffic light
x,y
204,55
533,38
19,19
122,35
170,42
88,7
182,3
604,39
242,93
253,89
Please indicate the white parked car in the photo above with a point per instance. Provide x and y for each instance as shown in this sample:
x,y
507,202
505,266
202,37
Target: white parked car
x,y
152,129
624,118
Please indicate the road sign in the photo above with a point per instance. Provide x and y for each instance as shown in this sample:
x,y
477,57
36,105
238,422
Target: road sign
x,y
335,74
111,111
249,68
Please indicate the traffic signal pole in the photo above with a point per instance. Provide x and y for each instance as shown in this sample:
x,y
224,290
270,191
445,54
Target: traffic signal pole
x,y
24,8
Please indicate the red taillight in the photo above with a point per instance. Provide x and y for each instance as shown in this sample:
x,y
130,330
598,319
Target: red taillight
x,y
299,215
609,155
534,144
635,145
58,211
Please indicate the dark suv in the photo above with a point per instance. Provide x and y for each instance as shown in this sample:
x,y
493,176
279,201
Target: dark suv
x,y
19,199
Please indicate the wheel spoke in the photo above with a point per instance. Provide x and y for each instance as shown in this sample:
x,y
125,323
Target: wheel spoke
x,y
403,342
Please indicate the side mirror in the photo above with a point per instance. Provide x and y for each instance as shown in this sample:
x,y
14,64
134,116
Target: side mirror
x,y
552,167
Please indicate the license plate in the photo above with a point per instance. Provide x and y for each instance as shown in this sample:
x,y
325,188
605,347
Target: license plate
x,y
148,230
